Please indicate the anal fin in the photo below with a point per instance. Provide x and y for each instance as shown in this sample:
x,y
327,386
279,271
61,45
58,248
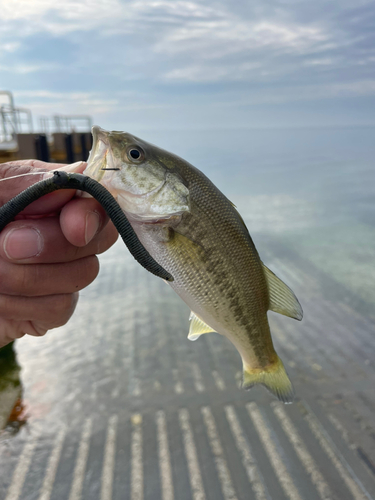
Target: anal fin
x,y
197,327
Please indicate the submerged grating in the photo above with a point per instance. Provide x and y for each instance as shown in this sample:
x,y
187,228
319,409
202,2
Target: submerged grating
x,y
317,481
152,416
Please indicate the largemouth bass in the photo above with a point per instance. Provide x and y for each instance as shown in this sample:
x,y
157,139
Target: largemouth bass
x,y
193,231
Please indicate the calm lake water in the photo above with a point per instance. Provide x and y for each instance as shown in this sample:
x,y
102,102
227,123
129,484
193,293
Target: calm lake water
x,y
308,199
313,188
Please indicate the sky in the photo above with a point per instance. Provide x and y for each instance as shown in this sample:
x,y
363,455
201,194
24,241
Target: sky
x,y
176,64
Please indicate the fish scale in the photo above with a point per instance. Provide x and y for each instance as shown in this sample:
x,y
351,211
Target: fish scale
x,y
218,289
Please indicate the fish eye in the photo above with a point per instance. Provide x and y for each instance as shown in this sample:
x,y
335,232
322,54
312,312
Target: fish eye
x,y
135,153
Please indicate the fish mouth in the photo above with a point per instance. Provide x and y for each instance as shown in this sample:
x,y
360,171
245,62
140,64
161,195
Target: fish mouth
x,y
138,207
100,158
100,161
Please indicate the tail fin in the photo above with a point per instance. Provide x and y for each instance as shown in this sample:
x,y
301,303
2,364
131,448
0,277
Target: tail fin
x,y
274,378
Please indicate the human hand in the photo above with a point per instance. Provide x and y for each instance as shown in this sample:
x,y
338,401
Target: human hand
x,y
48,253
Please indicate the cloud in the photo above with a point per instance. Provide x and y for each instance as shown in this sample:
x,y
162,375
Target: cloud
x,y
325,61
185,24
226,36
185,52
10,47
109,17
20,69
305,92
42,101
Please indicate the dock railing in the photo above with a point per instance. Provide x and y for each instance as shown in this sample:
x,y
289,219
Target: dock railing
x,y
62,138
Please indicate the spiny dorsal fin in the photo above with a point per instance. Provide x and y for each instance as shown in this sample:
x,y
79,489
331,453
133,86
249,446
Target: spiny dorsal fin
x,y
239,215
282,299
197,327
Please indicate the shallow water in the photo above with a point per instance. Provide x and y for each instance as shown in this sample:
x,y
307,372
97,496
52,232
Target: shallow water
x,y
308,199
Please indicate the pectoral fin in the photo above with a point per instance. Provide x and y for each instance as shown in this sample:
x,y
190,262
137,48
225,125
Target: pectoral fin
x,y
183,249
282,299
197,327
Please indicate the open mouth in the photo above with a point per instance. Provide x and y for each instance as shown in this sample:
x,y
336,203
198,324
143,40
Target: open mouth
x,y
100,158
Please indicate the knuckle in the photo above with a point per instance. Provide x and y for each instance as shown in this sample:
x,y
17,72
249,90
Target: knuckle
x,y
61,309
24,280
7,169
35,329
88,271
6,305
92,268
107,238
21,279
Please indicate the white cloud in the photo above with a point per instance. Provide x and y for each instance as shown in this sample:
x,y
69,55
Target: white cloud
x,y
325,61
21,69
217,72
217,38
182,40
275,51
83,15
179,8
43,101
10,47
198,73
69,9
305,92
366,61
363,87
187,24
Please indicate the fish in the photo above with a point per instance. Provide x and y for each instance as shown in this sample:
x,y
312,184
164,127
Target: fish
x,y
192,230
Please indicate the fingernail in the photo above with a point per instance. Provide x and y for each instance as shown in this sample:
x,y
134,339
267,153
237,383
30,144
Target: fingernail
x,y
23,243
92,226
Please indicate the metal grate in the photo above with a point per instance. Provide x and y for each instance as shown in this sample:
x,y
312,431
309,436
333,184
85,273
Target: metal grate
x,y
253,452
153,416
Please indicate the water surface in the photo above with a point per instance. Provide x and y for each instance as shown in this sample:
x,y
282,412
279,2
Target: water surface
x,y
307,197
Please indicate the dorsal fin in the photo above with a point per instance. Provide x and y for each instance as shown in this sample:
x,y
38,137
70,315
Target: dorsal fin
x,y
197,327
282,299
239,215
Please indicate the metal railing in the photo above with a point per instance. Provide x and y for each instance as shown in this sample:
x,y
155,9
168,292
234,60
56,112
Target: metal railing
x,y
61,137
65,123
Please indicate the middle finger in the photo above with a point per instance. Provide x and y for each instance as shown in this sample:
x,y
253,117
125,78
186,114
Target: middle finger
x,y
33,280
34,241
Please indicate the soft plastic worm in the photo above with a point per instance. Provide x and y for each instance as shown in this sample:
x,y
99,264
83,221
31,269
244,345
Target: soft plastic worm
x,y
64,180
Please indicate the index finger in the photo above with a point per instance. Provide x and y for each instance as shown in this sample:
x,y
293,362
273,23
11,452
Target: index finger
x,y
30,165
19,175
